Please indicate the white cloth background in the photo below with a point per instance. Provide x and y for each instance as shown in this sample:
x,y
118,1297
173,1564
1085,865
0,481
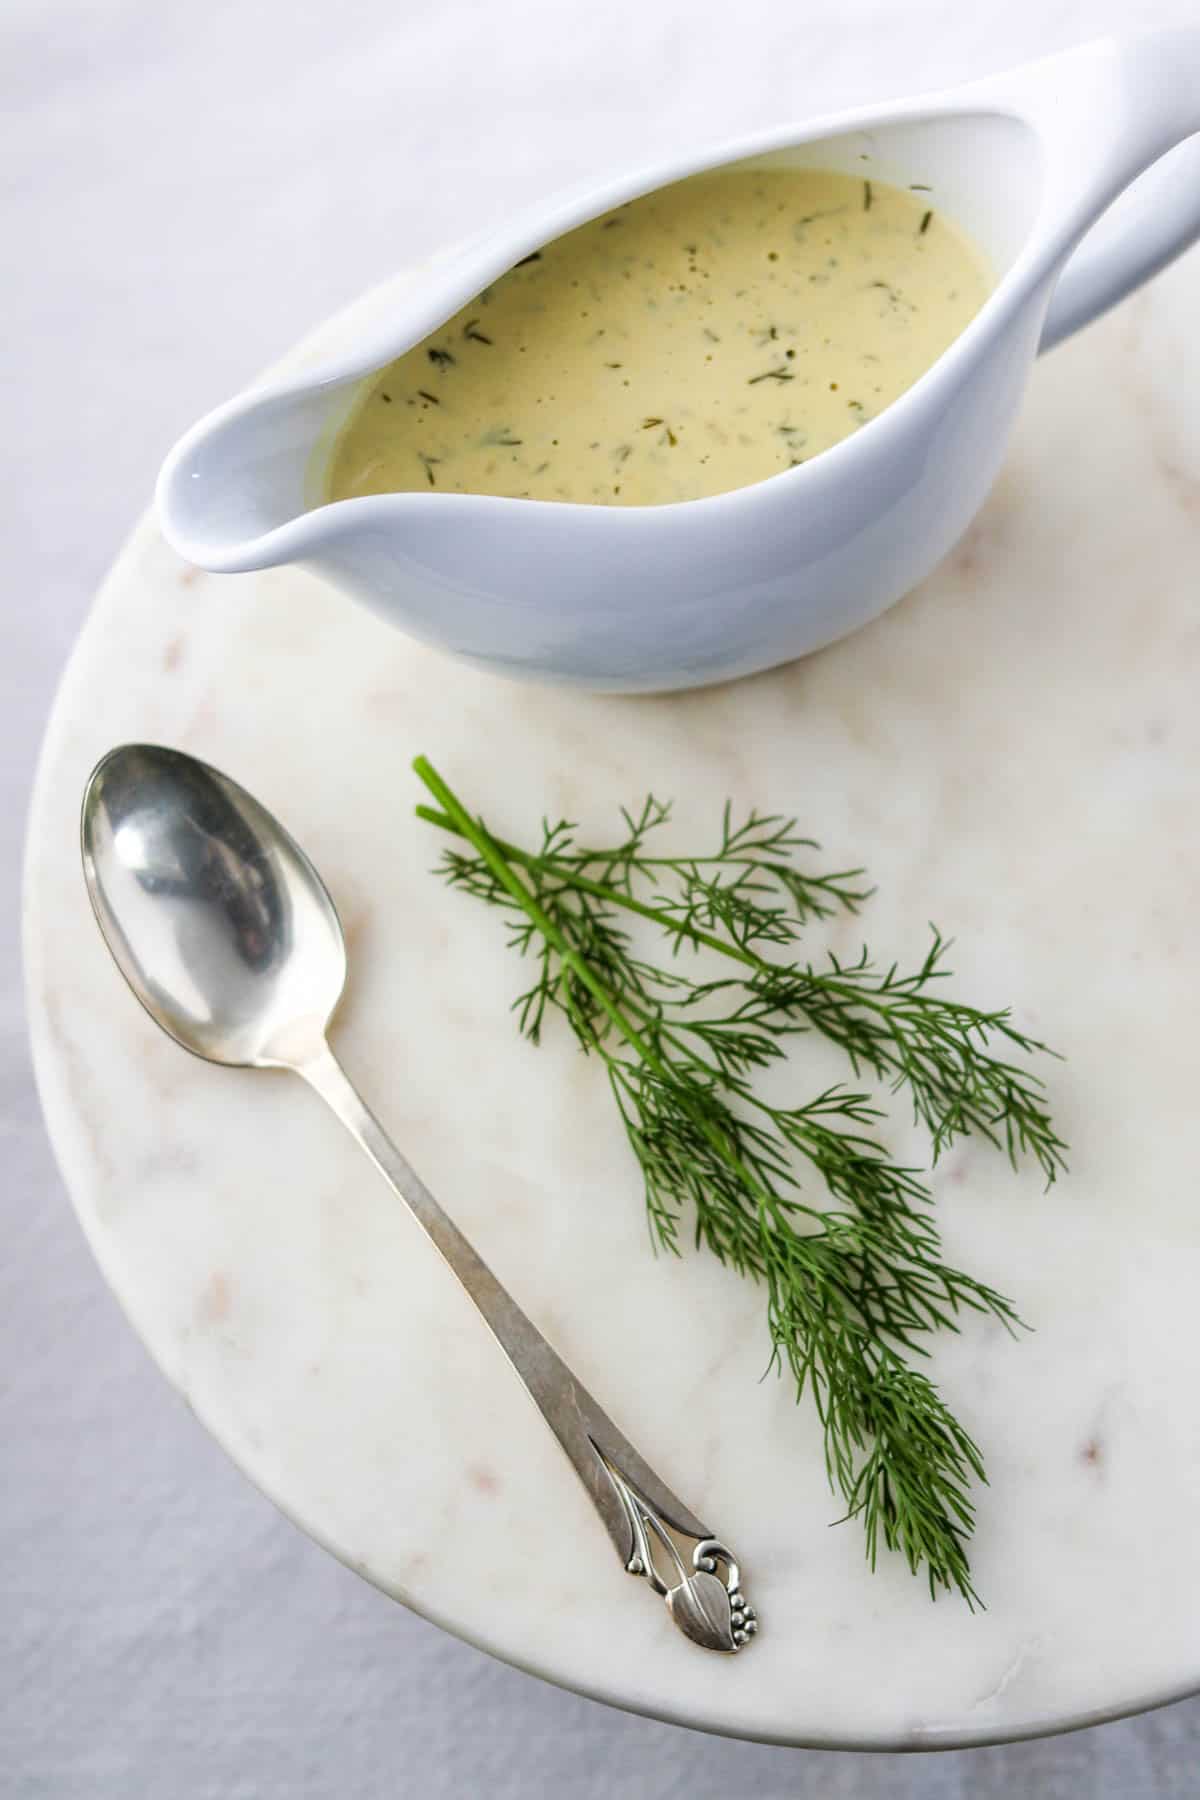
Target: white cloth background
x,y
187,188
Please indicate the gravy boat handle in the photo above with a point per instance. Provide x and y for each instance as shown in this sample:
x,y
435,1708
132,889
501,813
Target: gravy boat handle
x,y
1159,222
1115,115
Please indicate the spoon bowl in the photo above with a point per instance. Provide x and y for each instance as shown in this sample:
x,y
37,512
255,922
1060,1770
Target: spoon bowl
x,y
214,915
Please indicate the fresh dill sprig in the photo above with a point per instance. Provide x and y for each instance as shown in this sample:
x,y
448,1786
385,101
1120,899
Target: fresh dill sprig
x,y
855,1284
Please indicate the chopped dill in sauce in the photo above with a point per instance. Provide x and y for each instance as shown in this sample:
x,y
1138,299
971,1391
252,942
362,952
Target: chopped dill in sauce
x,y
707,344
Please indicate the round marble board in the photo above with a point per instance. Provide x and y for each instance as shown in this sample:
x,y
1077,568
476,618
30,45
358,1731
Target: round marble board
x,y
1013,753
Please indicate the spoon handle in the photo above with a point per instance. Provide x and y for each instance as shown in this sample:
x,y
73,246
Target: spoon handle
x,y
651,1528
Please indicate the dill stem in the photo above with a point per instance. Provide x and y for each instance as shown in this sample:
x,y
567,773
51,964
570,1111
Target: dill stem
x,y
566,871
601,890
494,856
499,859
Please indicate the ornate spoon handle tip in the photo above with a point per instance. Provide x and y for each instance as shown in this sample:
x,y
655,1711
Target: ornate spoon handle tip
x,y
705,1601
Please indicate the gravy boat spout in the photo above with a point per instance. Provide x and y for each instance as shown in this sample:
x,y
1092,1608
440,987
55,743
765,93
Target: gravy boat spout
x,y
629,598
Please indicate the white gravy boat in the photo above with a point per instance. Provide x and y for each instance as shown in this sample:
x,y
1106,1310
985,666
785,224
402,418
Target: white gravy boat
x,y
629,598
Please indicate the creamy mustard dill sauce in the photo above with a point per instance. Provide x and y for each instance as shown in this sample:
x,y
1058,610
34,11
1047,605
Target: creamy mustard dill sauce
x,y
693,341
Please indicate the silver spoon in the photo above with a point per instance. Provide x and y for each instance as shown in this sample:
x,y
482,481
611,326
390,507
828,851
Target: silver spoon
x,y
228,937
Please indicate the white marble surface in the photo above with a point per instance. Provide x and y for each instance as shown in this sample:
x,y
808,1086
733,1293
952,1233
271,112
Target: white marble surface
x,y
165,1632
1012,752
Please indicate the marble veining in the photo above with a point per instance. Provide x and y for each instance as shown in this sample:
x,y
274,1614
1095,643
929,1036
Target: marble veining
x,y
1013,752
